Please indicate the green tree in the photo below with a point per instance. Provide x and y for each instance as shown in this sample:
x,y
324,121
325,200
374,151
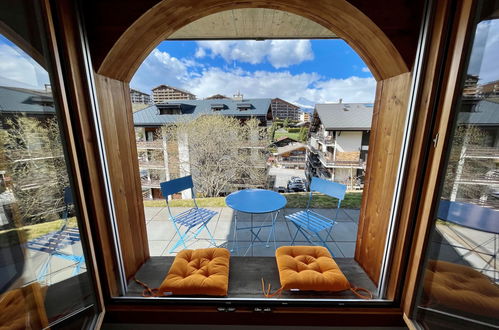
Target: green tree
x,y
303,135
285,124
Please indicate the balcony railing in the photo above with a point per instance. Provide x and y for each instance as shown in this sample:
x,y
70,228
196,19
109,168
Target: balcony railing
x,y
157,144
327,140
327,161
151,164
150,183
484,153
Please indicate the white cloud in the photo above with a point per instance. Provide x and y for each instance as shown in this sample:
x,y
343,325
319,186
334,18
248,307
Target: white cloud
x,y
366,69
161,68
17,69
483,60
279,53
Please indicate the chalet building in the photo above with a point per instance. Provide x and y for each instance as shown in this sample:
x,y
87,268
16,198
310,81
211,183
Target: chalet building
x,y
292,155
165,93
339,142
140,97
284,110
284,141
153,149
404,270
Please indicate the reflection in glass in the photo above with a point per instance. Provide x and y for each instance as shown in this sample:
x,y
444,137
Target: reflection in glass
x,y
460,284
43,274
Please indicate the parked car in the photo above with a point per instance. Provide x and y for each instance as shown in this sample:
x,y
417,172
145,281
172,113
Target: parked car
x,y
282,189
296,186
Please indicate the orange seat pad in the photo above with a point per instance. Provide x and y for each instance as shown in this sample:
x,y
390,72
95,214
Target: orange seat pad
x,y
198,272
461,287
309,268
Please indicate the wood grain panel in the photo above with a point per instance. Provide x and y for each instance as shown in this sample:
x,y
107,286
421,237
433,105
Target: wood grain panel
x,y
387,132
121,152
460,37
435,55
89,163
339,16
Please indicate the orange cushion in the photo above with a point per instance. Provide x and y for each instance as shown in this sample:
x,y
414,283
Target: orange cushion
x,y
461,287
309,268
198,272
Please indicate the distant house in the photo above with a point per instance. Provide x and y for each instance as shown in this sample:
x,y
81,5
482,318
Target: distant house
x,y
339,141
304,117
284,110
139,97
165,93
151,139
292,155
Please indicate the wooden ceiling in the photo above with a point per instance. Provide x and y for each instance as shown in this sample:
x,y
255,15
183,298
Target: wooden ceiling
x,y
252,23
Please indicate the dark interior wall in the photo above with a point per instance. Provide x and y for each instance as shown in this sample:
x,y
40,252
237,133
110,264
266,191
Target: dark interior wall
x,y
107,20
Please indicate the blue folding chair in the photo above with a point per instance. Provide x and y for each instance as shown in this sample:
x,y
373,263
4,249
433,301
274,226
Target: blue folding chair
x,y
195,218
53,243
310,223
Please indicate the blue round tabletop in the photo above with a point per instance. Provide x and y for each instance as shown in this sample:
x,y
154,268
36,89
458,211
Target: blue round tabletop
x,y
256,201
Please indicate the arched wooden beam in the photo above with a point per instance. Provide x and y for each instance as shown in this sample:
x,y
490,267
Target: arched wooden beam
x,y
346,21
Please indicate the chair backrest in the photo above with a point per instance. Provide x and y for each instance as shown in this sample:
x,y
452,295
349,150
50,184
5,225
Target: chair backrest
x,y
333,189
176,185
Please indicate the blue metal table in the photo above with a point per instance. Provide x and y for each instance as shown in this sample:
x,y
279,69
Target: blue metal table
x,y
256,201
474,217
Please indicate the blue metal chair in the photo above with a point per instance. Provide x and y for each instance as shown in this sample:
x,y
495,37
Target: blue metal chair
x,y
53,243
310,223
195,218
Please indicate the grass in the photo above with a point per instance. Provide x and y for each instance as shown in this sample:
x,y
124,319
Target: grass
x,y
278,135
295,200
27,233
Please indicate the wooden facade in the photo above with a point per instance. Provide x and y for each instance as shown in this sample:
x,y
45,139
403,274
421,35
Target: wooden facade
x,y
373,33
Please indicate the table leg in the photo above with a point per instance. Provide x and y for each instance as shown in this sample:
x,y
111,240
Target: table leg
x,y
272,231
234,239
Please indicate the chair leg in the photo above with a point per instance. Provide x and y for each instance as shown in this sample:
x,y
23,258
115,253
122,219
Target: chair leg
x,y
234,238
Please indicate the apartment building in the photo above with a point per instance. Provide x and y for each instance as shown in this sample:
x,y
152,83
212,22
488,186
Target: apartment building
x,y
284,110
339,142
139,97
159,158
165,93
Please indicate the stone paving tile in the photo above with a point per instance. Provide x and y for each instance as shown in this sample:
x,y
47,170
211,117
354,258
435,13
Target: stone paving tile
x,y
160,230
344,232
156,248
346,248
150,212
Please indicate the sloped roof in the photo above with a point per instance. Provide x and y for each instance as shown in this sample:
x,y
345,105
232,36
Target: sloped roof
x,y
486,114
290,147
345,116
29,101
150,116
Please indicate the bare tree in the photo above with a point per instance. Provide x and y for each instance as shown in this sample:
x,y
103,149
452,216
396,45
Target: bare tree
x,y
34,160
223,153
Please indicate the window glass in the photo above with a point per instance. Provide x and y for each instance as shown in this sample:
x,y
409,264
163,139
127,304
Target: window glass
x,y
459,287
43,268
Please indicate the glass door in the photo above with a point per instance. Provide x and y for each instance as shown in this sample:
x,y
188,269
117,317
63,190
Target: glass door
x,y
459,286
45,277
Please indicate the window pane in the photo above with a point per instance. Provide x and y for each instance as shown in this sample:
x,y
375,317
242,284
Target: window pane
x,y
460,282
43,273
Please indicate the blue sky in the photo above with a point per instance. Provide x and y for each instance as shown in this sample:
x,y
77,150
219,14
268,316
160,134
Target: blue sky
x,y
300,71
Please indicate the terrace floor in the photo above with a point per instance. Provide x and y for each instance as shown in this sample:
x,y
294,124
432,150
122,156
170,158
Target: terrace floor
x,y
162,235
